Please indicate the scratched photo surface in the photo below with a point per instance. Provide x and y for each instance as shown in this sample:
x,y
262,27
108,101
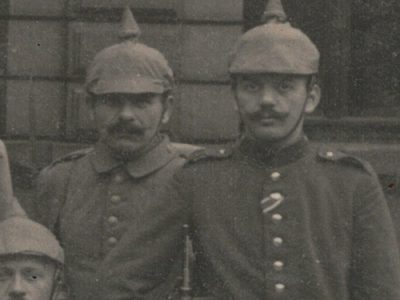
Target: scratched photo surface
x,y
174,156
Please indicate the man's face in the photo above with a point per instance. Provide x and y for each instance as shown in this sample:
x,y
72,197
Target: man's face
x,y
127,123
271,106
26,278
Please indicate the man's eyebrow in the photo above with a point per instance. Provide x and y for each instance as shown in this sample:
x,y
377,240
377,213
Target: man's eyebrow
x,y
250,78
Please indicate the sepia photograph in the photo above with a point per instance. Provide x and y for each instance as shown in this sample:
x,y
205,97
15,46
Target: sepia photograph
x,y
199,150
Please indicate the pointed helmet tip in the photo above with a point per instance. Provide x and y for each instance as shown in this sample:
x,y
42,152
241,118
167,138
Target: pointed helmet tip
x,y
274,12
129,27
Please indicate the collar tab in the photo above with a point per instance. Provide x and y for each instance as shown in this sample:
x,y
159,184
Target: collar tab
x,y
149,162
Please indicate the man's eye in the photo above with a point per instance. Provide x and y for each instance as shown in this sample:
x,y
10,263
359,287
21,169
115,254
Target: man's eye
x,y
110,102
143,101
32,276
284,85
251,87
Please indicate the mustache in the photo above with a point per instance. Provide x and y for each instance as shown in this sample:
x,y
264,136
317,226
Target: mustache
x,y
125,128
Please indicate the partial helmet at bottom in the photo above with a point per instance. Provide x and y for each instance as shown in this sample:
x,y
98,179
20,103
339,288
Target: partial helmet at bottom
x,y
21,236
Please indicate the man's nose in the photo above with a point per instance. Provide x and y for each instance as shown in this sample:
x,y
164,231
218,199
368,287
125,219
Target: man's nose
x,y
17,288
127,112
268,97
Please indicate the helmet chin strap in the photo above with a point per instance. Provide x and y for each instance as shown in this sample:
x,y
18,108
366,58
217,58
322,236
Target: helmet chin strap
x,y
298,121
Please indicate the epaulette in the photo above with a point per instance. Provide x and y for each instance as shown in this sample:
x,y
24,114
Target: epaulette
x,y
328,154
209,153
72,156
184,150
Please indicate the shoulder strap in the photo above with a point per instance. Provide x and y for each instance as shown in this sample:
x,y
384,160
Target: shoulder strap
x,y
332,155
210,153
72,156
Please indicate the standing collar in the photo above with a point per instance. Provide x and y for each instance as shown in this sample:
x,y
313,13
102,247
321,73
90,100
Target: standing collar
x,y
157,157
271,156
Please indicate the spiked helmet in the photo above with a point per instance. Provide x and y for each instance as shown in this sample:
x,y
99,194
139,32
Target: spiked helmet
x,y
274,47
129,66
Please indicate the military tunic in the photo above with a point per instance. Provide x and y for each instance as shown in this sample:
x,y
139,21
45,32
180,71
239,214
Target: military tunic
x,y
301,223
103,210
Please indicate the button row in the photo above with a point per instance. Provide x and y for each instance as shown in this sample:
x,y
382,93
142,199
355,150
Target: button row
x,y
270,203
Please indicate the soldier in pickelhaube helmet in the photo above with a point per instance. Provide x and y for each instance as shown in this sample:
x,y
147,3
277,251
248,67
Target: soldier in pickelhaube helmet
x,y
275,217
103,203
31,262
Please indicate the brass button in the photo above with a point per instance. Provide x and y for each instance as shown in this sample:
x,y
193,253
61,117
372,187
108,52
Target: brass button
x,y
112,241
276,218
278,265
277,241
279,287
115,199
275,176
277,196
113,220
118,178
329,154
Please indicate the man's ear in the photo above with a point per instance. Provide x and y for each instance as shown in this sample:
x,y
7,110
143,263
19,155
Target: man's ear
x,y
313,98
168,104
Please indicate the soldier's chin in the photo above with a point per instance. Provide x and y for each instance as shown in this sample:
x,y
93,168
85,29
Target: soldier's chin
x,y
267,135
125,146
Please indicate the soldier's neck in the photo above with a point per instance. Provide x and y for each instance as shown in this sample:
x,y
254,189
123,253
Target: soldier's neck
x,y
277,145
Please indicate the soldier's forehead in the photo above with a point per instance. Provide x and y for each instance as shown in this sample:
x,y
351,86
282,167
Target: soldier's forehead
x,y
271,76
126,95
26,261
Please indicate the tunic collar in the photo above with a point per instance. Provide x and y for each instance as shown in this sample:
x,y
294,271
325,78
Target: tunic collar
x,y
273,157
103,162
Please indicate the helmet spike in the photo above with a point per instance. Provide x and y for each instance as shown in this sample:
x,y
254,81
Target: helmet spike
x,y
274,12
129,28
